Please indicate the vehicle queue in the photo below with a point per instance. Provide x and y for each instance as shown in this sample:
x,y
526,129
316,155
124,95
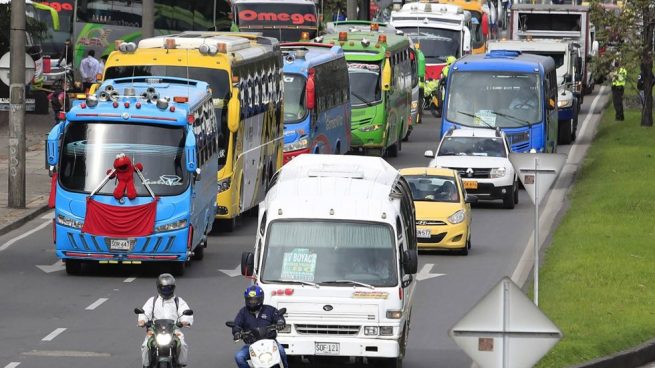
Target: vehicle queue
x,y
239,106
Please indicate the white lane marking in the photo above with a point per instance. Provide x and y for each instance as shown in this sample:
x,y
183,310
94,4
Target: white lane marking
x,y
66,353
10,242
49,216
424,273
96,304
57,266
526,262
12,365
53,334
129,279
233,273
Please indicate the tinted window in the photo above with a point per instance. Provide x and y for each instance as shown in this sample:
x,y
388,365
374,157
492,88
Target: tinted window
x,y
472,146
433,188
114,12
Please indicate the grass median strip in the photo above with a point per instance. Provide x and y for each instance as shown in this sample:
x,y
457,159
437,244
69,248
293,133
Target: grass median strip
x,y
597,282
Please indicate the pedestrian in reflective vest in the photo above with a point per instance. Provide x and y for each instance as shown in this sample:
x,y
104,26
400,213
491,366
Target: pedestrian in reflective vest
x,y
618,75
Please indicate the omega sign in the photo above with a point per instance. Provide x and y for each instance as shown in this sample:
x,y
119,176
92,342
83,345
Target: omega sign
x,y
295,18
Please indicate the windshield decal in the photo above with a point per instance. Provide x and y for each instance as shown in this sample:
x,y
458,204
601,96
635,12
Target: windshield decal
x,y
168,180
485,118
299,265
370,295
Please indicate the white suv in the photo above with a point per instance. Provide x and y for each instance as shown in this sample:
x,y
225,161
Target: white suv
x,y
481,158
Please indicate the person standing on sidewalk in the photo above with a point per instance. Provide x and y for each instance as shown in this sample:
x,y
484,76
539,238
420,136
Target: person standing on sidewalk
x,y
618,75
88,70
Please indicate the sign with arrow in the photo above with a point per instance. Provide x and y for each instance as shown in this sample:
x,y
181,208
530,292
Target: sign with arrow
x,y
537,171
424,273
233,273
505,329
57,266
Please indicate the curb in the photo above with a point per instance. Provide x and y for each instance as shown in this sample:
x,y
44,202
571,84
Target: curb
x,y
633,357
34,213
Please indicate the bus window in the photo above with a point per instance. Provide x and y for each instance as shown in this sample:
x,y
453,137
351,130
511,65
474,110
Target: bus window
x,y
112,12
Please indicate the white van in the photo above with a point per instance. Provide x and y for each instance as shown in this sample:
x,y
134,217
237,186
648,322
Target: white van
x,y
336,246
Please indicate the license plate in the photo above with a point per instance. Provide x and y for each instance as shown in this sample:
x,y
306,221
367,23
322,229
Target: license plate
x,y
121,244
326,348
423,233
470,184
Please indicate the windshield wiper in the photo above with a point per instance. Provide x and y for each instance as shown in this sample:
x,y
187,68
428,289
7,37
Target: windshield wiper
x,y
367,102
479,119
349,282
512,117
301,282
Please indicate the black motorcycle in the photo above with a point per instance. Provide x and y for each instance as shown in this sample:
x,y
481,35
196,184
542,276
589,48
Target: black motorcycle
x,y
162,345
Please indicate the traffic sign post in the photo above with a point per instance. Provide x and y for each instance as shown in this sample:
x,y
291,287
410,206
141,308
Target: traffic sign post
x,y
537,172
505,329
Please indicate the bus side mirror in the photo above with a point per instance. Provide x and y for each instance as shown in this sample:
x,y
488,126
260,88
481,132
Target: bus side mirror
x,y
410,261
234,111
310,91
52,149
190,151
247,264
386,75
421,63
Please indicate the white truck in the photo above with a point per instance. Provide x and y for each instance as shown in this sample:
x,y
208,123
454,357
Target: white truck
x,y
336,247
568,61
569,22
442,30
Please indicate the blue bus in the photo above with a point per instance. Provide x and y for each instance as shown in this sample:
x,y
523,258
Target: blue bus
x,y
316,100
513,91
134,174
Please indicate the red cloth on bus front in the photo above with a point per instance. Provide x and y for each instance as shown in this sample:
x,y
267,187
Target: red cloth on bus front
x,y
119,221
53,191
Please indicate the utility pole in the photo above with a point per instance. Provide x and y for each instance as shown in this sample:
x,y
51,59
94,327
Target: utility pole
x,y
365,9
148,19
16,195
351,9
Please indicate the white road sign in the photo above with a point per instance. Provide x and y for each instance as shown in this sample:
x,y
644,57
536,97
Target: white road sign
x,y
505,329
537,171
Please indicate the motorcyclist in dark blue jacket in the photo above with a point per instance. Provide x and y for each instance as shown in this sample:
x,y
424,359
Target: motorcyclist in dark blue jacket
x,y
254,315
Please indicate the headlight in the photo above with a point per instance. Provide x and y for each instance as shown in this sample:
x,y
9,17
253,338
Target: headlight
x,y
252,352
224,184
63,220
386,330
414,105
564,103
457,217
302,143
369,128
164,339
497,172
265,357
370,330
286,329
179,224
394,314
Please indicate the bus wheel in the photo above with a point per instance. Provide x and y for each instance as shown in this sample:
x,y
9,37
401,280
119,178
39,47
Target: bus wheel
x,y
392,151
73,266
199,252
564,131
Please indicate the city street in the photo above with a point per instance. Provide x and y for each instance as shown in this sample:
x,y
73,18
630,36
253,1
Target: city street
x,y
51,319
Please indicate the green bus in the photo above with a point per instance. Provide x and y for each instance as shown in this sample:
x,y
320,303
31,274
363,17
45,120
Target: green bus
x,y
380,72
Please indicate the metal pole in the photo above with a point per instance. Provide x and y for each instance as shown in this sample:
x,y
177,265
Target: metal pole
x,y
536,234
16,195
148,19
351,9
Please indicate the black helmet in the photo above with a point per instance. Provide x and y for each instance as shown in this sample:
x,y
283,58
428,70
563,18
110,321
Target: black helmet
x,y
166,285
254,296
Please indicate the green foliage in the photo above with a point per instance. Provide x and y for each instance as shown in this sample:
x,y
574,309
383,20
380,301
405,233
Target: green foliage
x,y
37,29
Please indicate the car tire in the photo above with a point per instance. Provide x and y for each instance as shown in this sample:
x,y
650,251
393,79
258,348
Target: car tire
x,y
199,252
516,192
392,151
508,199
564,128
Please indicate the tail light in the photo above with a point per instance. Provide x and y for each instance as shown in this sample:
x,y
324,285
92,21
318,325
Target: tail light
x,y
310,91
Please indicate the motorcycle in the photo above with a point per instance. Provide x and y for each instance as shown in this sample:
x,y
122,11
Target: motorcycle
x,y
263,352
433,97
164,349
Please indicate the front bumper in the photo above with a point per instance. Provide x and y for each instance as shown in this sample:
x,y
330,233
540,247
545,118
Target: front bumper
x,y
445,236
372,139
488,191
348,347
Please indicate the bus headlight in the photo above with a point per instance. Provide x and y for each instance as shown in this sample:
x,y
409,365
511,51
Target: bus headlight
x,y
301,143
457,217
394,314
497,173
370,330
66,221
180,224
369,128
564,103
224,184
386,330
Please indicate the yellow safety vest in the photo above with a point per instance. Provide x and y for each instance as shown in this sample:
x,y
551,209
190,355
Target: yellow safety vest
x,y
619,78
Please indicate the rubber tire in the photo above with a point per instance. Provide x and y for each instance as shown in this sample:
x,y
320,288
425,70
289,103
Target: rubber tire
x,y
199,252
394,363
564,131
409,131
508,200
392,151
575,128
41,103
73,267
400,142
464,251
516,193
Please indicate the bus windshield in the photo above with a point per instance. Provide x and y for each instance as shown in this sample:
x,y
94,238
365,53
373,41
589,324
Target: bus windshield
x,y
365,86
294,98
89,150
283,21
437,44
494,99
325,252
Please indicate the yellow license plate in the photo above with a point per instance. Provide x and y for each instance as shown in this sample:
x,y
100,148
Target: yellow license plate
x,y
470,184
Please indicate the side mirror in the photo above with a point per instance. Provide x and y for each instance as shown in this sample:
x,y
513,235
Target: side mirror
x,y
190,151
230,324
234,111
429,154
52,144
470,198
247,264
138,311
410,261
467,41
282,311
386,75
188,312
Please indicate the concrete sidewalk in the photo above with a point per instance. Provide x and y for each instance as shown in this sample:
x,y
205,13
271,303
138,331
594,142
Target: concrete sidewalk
x,y
37,181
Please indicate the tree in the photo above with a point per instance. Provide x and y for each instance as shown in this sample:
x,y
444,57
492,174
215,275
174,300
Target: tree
x,y
38,30
627,34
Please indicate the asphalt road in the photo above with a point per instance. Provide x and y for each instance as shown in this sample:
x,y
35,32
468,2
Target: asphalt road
x,y
50,319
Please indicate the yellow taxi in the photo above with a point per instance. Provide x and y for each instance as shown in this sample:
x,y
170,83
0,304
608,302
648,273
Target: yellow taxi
x,y
443,209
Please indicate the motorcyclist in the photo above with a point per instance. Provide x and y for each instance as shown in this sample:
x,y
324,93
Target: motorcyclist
x,y
444,78
165,306
256,314
444,72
